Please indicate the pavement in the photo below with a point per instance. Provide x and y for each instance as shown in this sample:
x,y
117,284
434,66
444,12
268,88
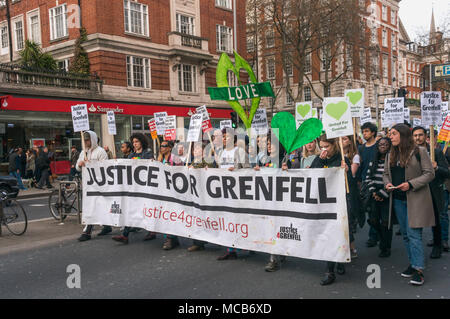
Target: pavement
x,y
32,192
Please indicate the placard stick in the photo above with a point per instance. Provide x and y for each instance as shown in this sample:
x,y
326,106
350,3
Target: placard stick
x,y
212,145
343,158
432,155
83,145
445,148
189,154
354,131
154,148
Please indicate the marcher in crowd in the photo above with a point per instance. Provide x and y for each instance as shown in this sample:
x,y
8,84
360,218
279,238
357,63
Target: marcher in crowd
x,y
441,173
23,162
43,164
92,152
351,152
407,173
444,213
126,149
367,152
309,154
140,147
108,152
198,162
379,202
74,155
14,167
31,164
331,157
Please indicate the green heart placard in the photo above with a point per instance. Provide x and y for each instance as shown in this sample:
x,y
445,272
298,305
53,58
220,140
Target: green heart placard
x,y
336,110
284,126
303,109
354,97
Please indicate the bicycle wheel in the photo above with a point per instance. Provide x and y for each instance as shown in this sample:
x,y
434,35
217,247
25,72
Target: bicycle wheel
x,y
15,218
67,204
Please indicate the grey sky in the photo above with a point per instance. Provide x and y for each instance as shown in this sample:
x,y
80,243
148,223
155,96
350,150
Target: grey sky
x,y
416,15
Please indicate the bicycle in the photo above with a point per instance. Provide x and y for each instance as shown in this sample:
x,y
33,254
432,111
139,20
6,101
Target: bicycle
x,y
62,200
12,215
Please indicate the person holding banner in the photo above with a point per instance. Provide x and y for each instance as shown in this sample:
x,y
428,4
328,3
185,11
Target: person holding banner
x,y
441,173
331,157
231,158
378,204
140,151
126,149
92,152
407,173
309,154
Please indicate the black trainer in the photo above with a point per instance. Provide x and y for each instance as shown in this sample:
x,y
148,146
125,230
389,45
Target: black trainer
x,y
84,237
105,231
340,269
417,278
329,278
408,273
436,252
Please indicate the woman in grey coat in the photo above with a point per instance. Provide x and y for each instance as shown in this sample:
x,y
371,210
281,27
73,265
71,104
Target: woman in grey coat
x,y
408,171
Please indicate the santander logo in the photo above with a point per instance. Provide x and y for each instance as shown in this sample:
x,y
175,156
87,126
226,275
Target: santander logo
x,y
100,109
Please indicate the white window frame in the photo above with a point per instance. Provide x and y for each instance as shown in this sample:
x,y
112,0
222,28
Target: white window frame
x,y
289,99
14,22
182,87
250,43
30,15
4,45
289,66
307,66
53,28
190,26
146,72
393,17
270,37
385,61
384,12
227,4
271,68
384,41
144,18
65,64
224,44
307,93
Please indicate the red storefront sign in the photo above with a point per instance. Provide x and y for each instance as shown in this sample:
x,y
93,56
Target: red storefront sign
x,y
57,105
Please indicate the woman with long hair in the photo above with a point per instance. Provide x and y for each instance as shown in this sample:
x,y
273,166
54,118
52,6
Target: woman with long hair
x,y
309,154
407,172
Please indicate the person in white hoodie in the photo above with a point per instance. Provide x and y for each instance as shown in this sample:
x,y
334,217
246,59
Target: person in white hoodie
x,y
92,152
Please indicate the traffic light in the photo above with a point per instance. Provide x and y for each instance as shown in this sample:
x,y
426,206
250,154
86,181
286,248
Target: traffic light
x,y
234,119
402,92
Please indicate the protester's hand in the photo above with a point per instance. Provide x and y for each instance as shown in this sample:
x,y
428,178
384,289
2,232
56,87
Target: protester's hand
x,y
344,165
257,168
403,187
284,167
82,163
73,166
231,168
323,154
434,164
390,187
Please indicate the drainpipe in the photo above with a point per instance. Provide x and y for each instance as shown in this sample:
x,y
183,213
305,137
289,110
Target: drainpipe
x,y
235,26
8,17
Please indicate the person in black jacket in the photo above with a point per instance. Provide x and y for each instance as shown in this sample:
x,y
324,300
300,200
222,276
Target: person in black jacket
x,y
331,157
43,165
442,172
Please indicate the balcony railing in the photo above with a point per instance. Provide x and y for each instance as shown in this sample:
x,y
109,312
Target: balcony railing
x,y
14,74
188,40
191,41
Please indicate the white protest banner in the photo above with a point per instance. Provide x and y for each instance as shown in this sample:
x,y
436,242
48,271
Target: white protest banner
x,y
367,116
394,110
303,111
407,114
159,121
430,104
356,98
337,119
80,118
170,124
111,122
225,124
206,124
384,123
300,213
195,127
259,122
417,122
444,110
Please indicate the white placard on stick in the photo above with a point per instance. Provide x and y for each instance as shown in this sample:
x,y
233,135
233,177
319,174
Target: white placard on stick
x,y
170,124
417,122
394,110
259,122
407,114
206,125
160,122
80,117
430,104
356,99
195,127
111,123
225,124
384,123
367,116
444,110
303,111
337,118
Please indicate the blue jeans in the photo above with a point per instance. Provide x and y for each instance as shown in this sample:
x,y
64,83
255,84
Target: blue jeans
x,y
19,179
412,237
444,217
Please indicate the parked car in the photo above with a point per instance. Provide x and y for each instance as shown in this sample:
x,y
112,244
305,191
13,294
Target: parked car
x,y
8,184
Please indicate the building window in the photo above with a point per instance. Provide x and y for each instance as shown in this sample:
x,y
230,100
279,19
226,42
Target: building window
x,y
232,79
271,68
385,66
307,93
362,60
393,41
185,24
224,39
250,43
289,99
384,38
138,72
307,67
187,78
384,12
288,66
18,33
224,4
58,22
393,17
136,18
270,38
5,39
326,61
63,65
34,28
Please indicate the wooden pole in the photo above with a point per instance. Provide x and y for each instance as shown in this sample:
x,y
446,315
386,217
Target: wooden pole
x,y
354,132
212,145
189,154
154,148
83,145
343,158
432,155
445,148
